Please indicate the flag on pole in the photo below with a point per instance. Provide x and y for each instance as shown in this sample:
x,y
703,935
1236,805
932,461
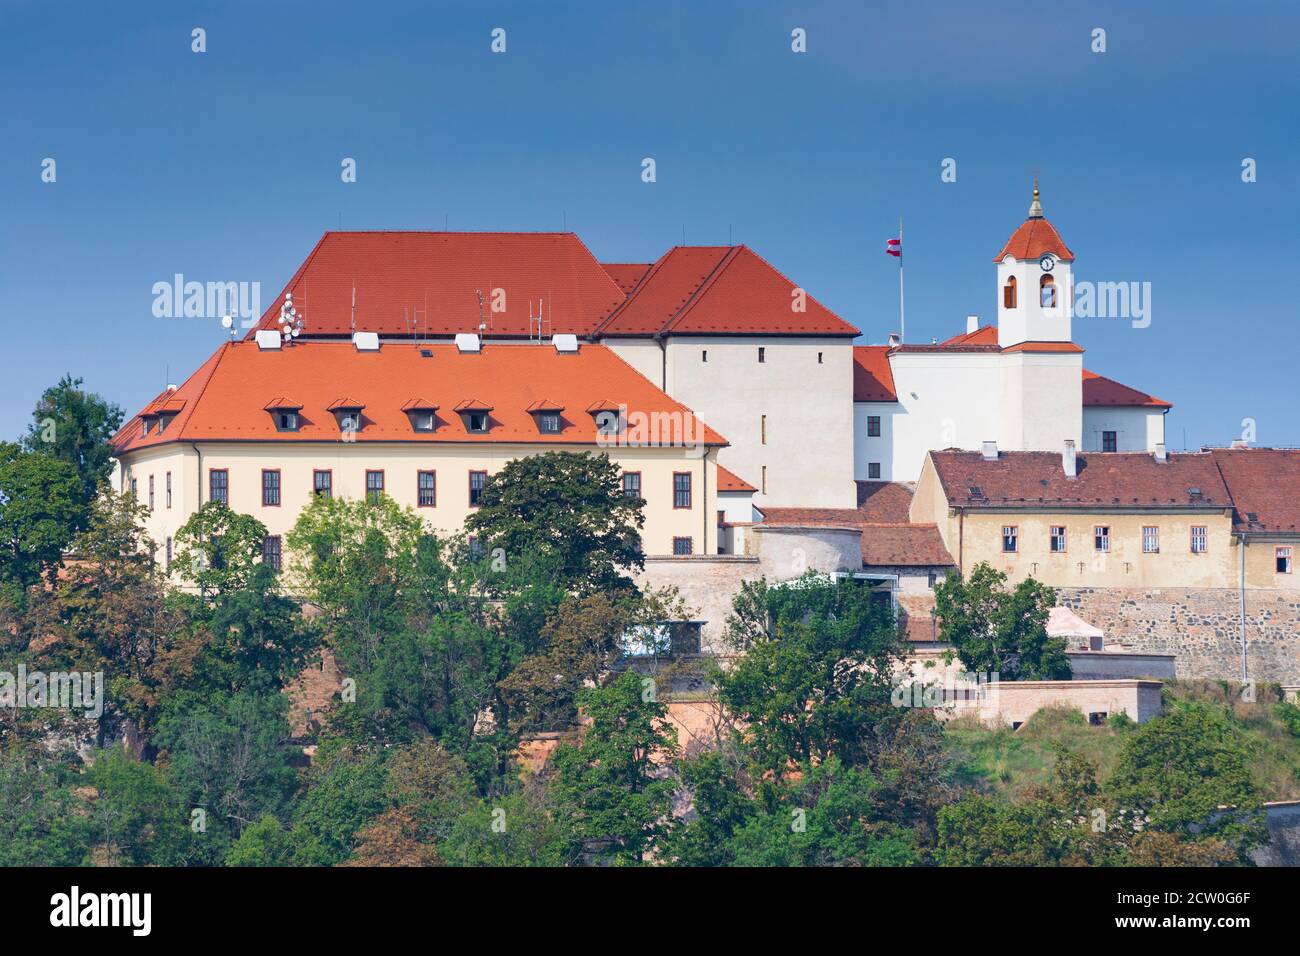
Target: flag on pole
x,y
894,247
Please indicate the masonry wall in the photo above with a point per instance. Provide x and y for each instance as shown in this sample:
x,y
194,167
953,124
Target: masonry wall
x,y
1200,626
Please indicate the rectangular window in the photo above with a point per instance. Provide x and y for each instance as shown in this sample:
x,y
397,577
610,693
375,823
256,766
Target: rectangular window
x,y
151,492
1101,537
374,485
1058,539
219,485
427,489
322,483
135,488
762,354
270,487
631,484
873,426
1284,560
549,423
271,551
1198,539
168,488
286,421
704,355
476,422
1150,539
1110,441
683,546
681,489
1010,538
763,479
873,470
763,429
423,421
477,479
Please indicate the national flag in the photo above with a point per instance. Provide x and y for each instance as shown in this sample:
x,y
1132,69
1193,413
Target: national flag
x,y
894,247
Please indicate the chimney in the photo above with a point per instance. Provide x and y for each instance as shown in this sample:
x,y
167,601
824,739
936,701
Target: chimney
x,y
1068,463
894,339
1161,455
1240,443
972,324
990,451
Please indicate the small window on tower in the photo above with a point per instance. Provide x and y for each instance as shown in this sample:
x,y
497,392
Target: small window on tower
x,y
1110,441
1047,292
1009,294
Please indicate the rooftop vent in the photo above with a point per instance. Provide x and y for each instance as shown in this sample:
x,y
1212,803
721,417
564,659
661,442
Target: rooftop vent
x,y
1240,443
894,339
975,491
1161,455
972,324
1194,492
1069,461
467,342
426,353
565,342
366,341
990,451
267,339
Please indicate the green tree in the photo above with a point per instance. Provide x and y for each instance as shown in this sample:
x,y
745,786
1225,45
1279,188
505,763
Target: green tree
x,y
135,817
41,509
75,426
217,549
266,843
610,798
567,511
345,793
816,676
996,631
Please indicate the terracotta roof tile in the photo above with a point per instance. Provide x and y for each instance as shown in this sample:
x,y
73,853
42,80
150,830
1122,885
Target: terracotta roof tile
x,y
1265,487
730,481
226,397
1033,479
1032,240
1099,390
626,274
885,502
873,379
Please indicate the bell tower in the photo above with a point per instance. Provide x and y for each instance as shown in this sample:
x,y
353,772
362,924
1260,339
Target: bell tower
x,y
1035,286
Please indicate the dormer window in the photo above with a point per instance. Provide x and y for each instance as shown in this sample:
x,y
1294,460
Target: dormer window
x,y
347,412
1009,294
284,413
423,415
547,416
163,422
476,415
147,425
1047,292
609,418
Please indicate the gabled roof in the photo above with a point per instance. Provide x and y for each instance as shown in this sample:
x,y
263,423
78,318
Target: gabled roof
x,y
545,405
1035,238
1099,390
626,274
345,404
472,405
873,379
427,284
719,290
1265,487
419,405
226,397
1105,481
282,403
730,481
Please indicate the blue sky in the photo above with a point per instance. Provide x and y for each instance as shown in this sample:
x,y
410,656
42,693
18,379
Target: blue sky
x,y
225,165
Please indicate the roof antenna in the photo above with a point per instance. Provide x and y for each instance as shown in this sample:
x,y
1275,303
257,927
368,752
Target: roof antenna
x,y
354,306
482,326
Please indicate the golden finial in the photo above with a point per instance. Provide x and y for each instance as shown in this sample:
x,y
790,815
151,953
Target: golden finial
x,y
1035,208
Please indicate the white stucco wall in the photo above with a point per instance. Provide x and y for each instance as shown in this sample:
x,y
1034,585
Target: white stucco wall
x,y
1136,429
1042,401
867,449
1029,321
808,452
945,400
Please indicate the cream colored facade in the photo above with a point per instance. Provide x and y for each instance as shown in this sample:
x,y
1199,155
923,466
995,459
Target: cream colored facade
x,y
973,535
188,467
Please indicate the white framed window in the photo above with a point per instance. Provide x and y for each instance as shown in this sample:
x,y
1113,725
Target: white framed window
x,y
1198,539
1101,537
1058,539
1010,538
1150,539
1284,559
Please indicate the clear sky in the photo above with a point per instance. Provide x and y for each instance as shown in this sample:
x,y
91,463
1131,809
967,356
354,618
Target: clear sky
x,y
225,165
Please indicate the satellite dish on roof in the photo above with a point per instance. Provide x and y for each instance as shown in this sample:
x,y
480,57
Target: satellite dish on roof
x,y
227,321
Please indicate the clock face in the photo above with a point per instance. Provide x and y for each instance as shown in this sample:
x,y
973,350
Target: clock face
x,y
1047,263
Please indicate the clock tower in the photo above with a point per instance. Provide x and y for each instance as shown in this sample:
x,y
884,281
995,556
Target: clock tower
x,y
1035,286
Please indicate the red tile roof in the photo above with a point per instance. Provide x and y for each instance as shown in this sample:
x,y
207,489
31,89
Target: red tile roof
x,y
1265,487
226,398
1032,240
873,379
432,279
888,537
698,290
1099,390
1104,481
984,335
730,481
626,274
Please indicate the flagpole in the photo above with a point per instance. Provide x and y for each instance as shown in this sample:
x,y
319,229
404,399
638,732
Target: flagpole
x,y
902,322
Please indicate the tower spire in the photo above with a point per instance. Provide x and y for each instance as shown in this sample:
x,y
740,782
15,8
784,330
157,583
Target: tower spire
x,y
1035,208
